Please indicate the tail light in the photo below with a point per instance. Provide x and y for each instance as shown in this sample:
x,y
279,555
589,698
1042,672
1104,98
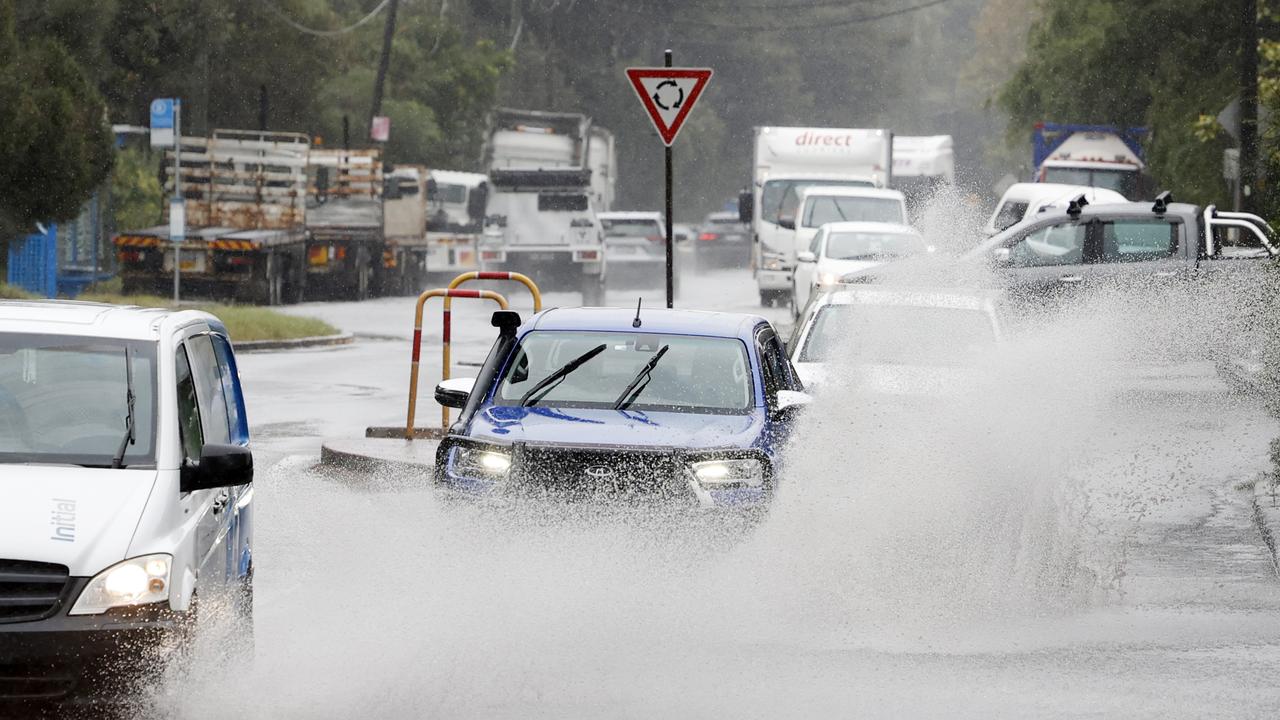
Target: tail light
x,y
708,236
240,260
655,238
340,252
318,255
586,255
130,256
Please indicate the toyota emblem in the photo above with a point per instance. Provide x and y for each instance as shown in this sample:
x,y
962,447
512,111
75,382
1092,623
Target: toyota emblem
x,y
599,472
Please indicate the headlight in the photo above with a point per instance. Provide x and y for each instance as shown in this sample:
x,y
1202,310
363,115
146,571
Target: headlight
x,y
722,474
828,278
485,463
138,581
772,261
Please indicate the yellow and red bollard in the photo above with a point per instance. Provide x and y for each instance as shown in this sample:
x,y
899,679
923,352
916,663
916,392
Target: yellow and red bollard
x,y
448,295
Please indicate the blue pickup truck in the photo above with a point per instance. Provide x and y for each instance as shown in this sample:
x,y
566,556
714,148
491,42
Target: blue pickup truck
x,y
682,406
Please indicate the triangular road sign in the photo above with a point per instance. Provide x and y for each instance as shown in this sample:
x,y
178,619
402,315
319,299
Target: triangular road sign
x,y
668,94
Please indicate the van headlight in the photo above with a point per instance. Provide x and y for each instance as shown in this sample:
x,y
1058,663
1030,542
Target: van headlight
x,y
828,278
480,462
139,581
724,474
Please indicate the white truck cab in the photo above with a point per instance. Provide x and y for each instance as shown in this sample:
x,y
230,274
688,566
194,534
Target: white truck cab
x,y
126,487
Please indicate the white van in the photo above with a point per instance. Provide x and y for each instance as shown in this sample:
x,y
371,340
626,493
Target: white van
x,y
1023,200
820,205
126,489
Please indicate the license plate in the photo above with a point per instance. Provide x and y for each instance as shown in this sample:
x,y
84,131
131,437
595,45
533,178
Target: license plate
x,y
192,261
542,257
734,238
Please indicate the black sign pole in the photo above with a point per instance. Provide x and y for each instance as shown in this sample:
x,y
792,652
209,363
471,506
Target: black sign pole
x,y
670,219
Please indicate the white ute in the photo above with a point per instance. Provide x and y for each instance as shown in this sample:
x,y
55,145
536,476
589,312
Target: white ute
x,y
126,487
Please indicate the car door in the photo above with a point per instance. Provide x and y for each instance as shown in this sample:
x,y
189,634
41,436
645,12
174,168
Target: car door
x,y
239,513
212,407
198,503
802,283
1046,261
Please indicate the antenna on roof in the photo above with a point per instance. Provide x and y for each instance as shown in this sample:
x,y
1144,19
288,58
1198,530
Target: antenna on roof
x,y
1076,205
636,323
1162,202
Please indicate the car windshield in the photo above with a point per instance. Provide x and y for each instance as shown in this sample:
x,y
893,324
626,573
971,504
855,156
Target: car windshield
x,y
1122,181
1010,214
897,334
451,194
696,375
868,245
782,197
824,209
630,228
63,400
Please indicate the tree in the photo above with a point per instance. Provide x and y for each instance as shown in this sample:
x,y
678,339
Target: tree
x,y
55,143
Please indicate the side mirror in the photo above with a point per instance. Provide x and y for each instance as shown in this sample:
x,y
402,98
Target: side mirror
x,y
789,404
507,322
219,466
455,391
805,256
746,207
787,221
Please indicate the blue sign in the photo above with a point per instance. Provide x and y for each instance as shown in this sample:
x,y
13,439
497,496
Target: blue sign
x,y
162,113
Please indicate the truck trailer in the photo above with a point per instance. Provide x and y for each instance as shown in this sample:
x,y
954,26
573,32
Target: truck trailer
x,y
787,160
345,239
244,193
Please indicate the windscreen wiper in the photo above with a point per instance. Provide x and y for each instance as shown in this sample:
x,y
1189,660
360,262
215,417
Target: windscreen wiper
x,y
548,383
635,387
129,439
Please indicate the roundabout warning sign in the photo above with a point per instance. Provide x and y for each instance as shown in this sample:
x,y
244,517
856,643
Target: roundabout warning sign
x,y
668,94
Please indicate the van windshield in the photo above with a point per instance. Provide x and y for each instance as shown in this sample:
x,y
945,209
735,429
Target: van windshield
x,y
63,400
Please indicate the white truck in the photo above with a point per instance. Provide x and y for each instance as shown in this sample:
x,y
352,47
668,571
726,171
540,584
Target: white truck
x,y
1101,156
788,159
456,204
922,165
549,174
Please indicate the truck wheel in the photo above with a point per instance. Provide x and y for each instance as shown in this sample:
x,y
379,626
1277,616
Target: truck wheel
x,y
766,298
360,288
593,290
295,281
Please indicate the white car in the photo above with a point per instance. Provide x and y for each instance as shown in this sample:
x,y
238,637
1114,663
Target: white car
x,y
635,247
819,205
126,487
1024,200
840,248
896,341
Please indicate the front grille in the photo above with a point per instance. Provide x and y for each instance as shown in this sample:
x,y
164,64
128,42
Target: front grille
x,y
30,590
588,472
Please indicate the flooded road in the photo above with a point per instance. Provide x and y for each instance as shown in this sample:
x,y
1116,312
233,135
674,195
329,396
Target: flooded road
x,y
1069,552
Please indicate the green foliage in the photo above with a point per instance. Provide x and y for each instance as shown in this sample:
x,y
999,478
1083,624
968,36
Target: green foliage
x,y
55,145
136,196
1163,64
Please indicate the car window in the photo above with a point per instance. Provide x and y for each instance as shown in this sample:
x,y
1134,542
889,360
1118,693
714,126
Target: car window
x,y
816,244
237,423
1052,245
1010,214
1138,240
188,407
209,392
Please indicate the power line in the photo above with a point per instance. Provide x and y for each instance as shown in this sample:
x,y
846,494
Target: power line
x,y
325,33
802,5
816,25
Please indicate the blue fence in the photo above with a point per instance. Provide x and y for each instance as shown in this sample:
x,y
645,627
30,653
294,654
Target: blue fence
x,y
63,259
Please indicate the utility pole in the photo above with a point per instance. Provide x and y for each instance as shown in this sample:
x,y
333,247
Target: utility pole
x,y
1248,65
384,62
